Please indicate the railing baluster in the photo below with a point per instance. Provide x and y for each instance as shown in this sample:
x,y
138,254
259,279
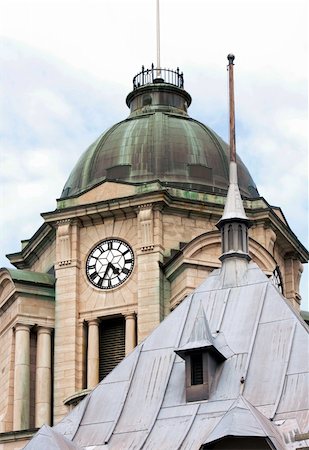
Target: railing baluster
x,y
147,76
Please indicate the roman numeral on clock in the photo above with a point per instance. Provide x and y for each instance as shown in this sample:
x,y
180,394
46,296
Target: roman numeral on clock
x,y
93,276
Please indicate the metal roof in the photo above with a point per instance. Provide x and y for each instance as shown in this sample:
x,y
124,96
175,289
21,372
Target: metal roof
x,y
158,142
28,276
234,208
142,402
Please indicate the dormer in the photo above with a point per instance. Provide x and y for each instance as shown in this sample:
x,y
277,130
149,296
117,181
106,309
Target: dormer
x,y
202,360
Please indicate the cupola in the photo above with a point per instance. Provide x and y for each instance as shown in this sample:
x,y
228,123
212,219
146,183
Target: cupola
x,y
158,142
158,90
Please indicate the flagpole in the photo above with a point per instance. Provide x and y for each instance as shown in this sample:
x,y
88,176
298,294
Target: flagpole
x,y
158,40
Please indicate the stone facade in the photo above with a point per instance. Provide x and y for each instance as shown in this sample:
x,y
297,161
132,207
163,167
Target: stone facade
x,y
176,245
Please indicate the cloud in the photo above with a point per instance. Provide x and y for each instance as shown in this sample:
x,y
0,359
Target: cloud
x,y
49,116
65,74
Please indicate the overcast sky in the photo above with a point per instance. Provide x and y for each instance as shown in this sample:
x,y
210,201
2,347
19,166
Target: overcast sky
x,y
67,65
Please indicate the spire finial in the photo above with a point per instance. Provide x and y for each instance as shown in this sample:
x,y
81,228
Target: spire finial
x,y
234,223
231,58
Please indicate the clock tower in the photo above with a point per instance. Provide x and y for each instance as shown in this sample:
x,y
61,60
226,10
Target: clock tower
x,y
134,233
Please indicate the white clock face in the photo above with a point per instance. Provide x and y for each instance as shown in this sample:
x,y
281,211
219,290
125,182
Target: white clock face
x,y
110,263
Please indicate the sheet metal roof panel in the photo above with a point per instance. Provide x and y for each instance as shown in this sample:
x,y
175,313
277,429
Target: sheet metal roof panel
x,y
295,394
201,427
214,304
188,409
70,423
299,361
167,334
111,394
215,408
242,308
269,361
273,310
146,391
168,434
92,434
125,368
229,379
176,389
132,440
48,438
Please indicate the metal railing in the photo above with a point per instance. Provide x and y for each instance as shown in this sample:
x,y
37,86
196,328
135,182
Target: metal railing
x,y
155,75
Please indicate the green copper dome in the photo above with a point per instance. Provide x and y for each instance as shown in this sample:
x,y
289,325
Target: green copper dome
x,y
158,141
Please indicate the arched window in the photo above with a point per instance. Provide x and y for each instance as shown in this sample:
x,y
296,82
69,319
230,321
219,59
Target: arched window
x,y
276,279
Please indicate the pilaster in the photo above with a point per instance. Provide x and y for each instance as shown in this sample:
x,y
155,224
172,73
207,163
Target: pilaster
x,y
150,277
293,271
68,331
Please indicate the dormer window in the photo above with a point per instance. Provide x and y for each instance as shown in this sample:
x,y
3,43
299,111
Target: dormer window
x,y
202,359
201,367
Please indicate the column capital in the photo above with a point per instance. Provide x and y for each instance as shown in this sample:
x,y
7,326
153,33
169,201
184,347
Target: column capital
x,y
93,322
44,330
22,327
131,315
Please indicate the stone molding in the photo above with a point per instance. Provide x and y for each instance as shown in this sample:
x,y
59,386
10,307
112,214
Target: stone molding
x,y
145,227
64,247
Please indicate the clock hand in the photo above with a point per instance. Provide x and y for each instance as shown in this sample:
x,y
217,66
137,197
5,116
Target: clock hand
x,y
115,269
107,269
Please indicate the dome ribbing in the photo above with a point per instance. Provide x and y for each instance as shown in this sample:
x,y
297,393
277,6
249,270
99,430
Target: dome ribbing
x,y
158,141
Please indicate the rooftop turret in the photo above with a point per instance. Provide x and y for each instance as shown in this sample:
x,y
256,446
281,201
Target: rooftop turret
x,y
158,90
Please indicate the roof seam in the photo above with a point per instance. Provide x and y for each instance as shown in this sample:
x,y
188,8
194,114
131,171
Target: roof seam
x,y
253,338
280,390
139,349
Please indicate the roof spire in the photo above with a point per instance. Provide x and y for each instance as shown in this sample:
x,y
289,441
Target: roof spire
x,y
234,223
231,58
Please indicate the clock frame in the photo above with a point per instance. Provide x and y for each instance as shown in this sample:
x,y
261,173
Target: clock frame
x,y
110,263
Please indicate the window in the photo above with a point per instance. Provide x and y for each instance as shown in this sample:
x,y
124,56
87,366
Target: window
x,y
111,345
277,280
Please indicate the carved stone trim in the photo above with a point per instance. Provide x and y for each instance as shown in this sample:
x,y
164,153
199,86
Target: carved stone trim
x,y
145,227
64,244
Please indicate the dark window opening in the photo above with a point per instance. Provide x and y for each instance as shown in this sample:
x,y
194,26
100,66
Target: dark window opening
x,y
111,345
200,172
197,368
240,239
277,279
230,237
118,172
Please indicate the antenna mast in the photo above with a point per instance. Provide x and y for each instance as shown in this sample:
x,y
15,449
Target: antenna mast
x,y
232,107
158,40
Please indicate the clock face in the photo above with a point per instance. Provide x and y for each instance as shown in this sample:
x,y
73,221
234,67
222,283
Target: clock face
x,y
110,263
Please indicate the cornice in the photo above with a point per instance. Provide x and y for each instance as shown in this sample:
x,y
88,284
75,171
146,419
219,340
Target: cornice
x,y
35,247
168,200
